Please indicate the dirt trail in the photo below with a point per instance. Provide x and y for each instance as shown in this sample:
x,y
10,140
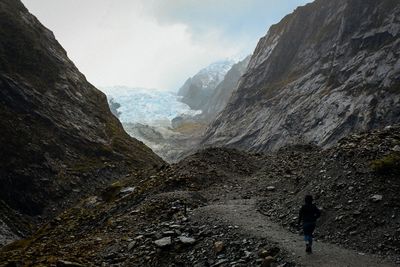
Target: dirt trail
x,y
243,213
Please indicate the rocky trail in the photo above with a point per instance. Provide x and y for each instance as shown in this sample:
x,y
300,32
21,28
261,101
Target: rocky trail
x,y
244,215
223,207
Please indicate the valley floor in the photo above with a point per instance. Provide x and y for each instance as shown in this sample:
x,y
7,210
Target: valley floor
x,y
224,207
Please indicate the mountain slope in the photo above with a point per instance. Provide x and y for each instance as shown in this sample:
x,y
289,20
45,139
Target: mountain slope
x,y
224,90
58,138
198,89
326,70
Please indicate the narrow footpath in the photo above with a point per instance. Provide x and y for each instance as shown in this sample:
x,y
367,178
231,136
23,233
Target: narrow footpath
x,y
243,213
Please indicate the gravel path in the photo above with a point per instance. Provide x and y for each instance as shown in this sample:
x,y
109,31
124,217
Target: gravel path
x,y
243,213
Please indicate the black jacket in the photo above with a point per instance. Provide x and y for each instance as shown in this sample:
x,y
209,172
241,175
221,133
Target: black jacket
x,y
309,213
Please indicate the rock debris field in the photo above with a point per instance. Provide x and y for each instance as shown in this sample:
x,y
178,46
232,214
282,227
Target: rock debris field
x,y
222,207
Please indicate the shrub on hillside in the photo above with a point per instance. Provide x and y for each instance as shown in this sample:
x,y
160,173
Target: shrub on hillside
x,y
388,164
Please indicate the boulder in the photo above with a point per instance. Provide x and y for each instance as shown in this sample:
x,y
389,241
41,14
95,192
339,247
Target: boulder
x,y
163,242
219,246
131,245
187,240
376,198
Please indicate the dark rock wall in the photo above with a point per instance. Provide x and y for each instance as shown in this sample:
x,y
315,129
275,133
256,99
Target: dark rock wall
x,y
58,137
328,69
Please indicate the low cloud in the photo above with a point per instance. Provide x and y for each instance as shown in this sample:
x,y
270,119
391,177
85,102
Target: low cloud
x,y
152,44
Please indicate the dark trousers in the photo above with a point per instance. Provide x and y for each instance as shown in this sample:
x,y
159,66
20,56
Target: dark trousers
x,y
308,229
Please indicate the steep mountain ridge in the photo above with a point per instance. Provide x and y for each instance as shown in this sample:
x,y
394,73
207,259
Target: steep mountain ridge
x,y
224,90
197,90
58,139
328,69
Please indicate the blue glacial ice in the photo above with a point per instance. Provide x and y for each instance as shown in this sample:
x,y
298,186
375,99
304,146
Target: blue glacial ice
x,y
147,106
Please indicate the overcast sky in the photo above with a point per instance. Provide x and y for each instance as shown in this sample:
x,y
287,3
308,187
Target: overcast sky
x,y
156,43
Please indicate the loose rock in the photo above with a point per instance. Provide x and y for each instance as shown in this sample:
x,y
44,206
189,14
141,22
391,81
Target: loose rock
x,y
219,246
376,198
187,240
163,242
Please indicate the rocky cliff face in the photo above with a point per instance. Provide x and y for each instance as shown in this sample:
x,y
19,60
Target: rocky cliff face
x,y
198,89
328,69
222,93
58,137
